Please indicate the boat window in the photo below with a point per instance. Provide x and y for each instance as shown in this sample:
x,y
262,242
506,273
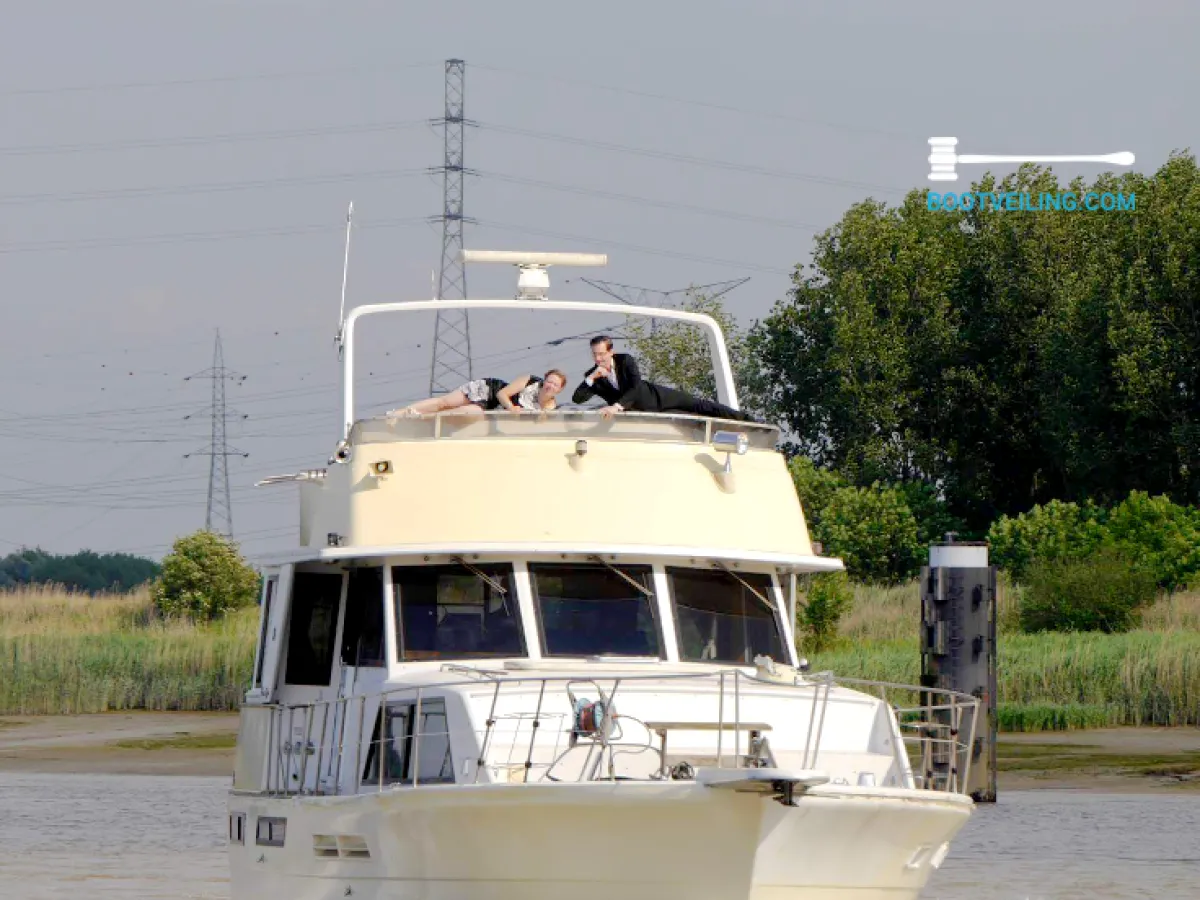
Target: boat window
x,y
720,619
456,612
315,600
362,633
595,610
265,627
428,748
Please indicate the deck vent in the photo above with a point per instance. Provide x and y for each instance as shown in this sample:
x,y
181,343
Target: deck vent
x,y
341,846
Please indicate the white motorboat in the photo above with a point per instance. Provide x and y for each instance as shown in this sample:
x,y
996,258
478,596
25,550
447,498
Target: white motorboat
x,y
492,692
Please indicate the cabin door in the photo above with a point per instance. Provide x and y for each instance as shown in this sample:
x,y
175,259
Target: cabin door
x,y
363,671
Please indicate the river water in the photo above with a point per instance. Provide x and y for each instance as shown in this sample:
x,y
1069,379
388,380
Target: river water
x,y
88,837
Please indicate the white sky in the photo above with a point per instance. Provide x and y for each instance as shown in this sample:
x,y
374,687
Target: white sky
x,y
167,169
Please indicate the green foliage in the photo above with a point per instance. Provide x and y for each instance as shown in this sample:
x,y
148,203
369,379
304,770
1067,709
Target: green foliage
x,y
1101,592
1159,536
827,598
204,577
1011,358
1163,537
83,571
873,531
1053,531
934,519
814,486
677,353
1056,716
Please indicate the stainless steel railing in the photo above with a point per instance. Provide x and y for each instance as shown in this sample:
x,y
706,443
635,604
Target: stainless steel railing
x,y
535,724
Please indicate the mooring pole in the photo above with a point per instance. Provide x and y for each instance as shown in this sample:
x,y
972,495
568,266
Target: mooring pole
x,y
958,649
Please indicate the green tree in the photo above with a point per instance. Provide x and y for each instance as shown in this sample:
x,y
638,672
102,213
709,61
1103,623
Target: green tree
x,y
203,577
677,353
83,571
814,487
1051,532
1161,537
827,598
873,532
1004,358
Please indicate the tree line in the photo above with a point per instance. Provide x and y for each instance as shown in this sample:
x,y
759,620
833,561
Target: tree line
x,y
84,571
938,370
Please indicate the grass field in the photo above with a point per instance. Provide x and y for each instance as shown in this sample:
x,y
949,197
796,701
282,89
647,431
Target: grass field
x,y
69,653
64,653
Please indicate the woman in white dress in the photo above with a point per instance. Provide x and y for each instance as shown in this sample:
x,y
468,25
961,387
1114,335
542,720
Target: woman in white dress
x,y
529,393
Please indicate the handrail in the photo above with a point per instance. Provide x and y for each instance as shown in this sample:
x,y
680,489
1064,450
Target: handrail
x,y
936,729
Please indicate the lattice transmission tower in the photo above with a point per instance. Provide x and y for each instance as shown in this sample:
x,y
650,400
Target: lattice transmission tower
x,y
451,333
219,510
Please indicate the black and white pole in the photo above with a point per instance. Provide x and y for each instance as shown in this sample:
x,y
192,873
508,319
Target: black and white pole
x,y
958,651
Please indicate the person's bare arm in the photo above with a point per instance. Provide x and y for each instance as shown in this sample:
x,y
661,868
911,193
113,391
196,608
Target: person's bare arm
x,y
505,394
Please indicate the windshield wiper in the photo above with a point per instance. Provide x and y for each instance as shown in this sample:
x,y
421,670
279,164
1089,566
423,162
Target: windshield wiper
x,y
627,577
747,586
482,576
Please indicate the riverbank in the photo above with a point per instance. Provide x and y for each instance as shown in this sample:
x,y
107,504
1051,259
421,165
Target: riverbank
x,y
129,743
1135,760
69,654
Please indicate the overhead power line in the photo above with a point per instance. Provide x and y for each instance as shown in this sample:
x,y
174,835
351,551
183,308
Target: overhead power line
x,y
219,187
671,156
207,80
705,104
202,140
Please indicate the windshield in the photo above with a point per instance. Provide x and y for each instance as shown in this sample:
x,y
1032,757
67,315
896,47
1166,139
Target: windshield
x,y
456,612
596,610
721,620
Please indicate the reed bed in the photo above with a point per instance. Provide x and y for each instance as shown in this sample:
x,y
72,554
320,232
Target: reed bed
x,y
70,653
63,653
1050,681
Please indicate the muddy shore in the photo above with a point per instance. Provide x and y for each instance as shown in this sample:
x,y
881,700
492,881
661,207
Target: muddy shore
x,y
146,743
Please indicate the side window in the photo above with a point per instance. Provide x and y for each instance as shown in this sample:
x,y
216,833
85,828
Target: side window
x,y
270,831
455,612
315,600
408,742
362,633
268,596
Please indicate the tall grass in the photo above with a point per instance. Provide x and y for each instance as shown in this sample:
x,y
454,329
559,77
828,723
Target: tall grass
x,y
71,653
1149,676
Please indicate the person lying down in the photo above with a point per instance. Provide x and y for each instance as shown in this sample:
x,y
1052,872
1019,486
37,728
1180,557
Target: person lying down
x,y
529,393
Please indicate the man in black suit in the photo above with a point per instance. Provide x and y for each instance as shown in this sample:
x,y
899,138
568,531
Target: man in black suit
x,y
615,379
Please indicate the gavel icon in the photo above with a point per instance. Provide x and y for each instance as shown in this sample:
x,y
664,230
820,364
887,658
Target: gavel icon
x,y
943,159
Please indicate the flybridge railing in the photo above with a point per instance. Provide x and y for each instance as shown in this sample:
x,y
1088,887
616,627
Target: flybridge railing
x,y
571,728
570,423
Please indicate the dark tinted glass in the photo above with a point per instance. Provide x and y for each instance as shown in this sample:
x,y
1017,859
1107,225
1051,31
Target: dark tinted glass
x,y
720,620
449,612
593,611
315,599
362,634
265,625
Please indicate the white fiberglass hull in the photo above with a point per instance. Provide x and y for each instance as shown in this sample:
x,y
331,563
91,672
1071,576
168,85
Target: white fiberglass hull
x,y
658,841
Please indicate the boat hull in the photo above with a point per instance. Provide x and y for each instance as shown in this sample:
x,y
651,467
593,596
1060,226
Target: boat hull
x,y
598,840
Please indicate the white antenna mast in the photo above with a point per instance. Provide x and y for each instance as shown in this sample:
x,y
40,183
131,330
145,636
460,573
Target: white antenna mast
x,y
345,274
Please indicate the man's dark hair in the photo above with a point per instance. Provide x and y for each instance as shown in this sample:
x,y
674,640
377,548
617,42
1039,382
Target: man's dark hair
x,y
602,339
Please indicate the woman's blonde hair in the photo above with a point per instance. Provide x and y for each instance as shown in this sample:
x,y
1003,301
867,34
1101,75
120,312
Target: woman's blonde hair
x,y
558,372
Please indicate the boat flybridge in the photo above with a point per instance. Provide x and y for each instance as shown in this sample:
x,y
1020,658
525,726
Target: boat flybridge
x,y
579,679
